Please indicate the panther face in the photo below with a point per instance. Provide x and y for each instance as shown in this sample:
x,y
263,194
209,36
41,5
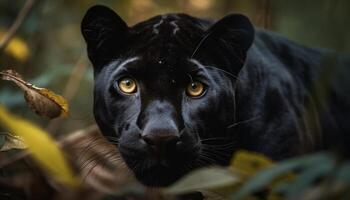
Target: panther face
x,y
164,89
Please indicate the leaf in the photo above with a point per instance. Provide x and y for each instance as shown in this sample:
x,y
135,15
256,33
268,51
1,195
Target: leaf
x,y
310,175
42,147
249,163
222,181
266,176
98,161
206,178
11,142
343,173
41,100
17,48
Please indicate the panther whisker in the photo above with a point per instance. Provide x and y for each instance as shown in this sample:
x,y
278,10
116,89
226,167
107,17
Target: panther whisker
x,y
212,154
222,147
219,69
235,101
224,71
221,141
214,139
215,151
243,121
206,159
200,44
111,138
218,152
112,142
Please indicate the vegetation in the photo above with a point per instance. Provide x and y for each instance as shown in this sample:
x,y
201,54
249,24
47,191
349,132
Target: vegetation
x,y
67,158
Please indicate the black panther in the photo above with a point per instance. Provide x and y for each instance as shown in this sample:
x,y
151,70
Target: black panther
x,y
176,92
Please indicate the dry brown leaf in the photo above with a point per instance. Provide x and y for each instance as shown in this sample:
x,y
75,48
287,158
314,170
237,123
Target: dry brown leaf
x,y
41,100
101,168
12,142
99,162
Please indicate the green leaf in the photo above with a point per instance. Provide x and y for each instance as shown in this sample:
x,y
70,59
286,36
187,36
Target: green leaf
x,y
206,178
311,174
343,173
265,177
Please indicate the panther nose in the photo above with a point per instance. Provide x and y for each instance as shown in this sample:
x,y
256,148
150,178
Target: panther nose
x,y
160,142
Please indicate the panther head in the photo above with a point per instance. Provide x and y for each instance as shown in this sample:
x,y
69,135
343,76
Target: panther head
x,y
164,88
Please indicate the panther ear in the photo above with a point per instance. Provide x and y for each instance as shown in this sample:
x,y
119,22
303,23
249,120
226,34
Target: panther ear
x,y
105,34
230,37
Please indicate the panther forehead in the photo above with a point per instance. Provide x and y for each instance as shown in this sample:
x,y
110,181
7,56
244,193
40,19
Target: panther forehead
x,y
162,25
166,37
166,20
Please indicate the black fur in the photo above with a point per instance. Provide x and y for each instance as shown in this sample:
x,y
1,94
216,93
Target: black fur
x,y
263,92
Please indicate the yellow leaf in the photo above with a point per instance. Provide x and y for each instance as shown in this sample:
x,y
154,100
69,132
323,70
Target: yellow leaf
x,y
249,163
41,100
17,48
42,146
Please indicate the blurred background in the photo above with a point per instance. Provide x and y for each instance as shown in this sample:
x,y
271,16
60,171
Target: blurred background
x,y
48,49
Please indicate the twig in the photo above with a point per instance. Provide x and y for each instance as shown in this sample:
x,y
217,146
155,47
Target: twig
x,y
71,88
16,24
75,78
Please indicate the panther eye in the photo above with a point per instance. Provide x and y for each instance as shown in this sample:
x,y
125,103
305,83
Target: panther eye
x,y
195,89
127,85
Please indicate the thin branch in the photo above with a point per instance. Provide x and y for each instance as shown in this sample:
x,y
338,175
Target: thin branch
x,y
71,89
75,78
17,23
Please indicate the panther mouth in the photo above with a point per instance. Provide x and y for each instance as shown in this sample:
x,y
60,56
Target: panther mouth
x,y
159,175
155,171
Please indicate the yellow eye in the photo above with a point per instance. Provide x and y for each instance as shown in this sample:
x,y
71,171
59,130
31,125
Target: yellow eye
x,y
127,85
195,89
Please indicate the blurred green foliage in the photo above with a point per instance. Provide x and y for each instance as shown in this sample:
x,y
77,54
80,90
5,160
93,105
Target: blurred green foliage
x,y
52,34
